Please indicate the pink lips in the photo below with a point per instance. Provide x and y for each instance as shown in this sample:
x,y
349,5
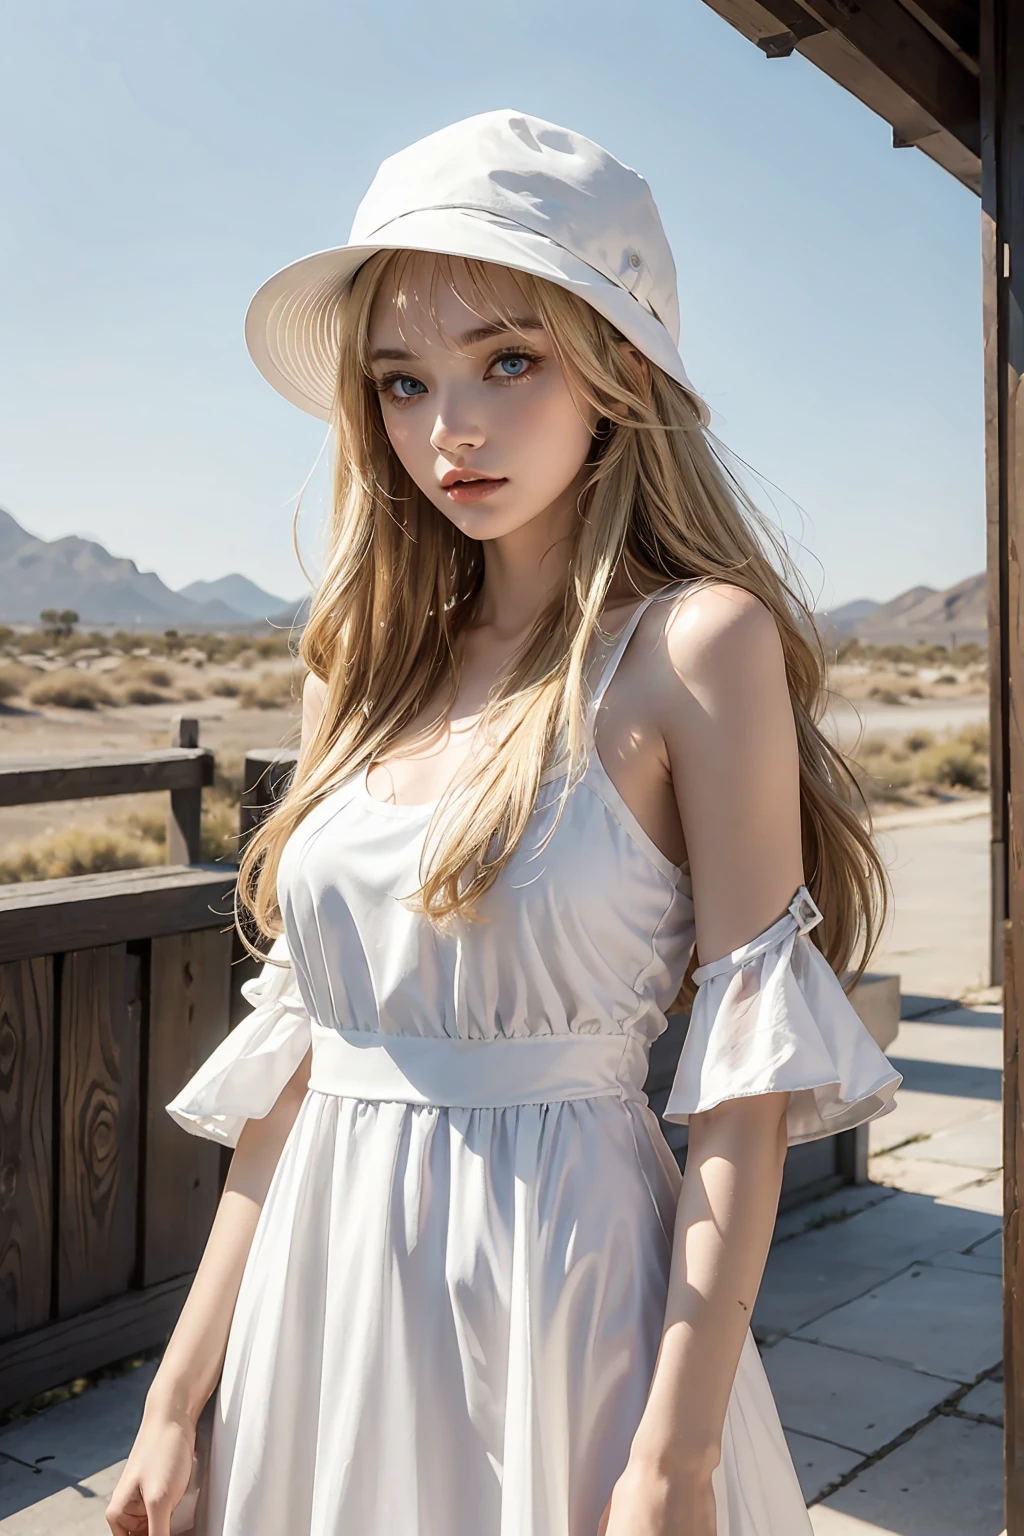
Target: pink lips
x,y
473,488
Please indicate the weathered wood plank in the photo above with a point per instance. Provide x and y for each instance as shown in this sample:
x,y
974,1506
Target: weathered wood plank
x,y
1002,76
59,1352
190,979
34,781
265,779
185,812
99,1130
26,1144
879,62
48,916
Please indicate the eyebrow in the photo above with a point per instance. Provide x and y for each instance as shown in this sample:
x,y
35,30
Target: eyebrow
x,y
467,339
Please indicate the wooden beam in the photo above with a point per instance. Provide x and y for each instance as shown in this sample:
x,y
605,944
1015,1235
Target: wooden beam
x,y
1002,78
45,917
32,781
48,1356
955,23
911,57
894,86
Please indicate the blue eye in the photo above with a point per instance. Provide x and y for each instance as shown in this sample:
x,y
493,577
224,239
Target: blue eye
x,y
513,367
406,388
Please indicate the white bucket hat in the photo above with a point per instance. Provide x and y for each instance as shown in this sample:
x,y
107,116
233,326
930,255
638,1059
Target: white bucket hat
x,y
502,187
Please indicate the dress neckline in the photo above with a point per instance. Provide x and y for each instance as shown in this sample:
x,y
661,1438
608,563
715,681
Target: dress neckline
x,y
608,792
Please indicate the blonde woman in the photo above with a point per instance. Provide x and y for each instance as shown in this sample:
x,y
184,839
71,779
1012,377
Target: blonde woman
x,y
560,771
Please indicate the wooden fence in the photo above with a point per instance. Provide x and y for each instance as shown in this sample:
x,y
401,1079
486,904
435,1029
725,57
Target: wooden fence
x,y
113,989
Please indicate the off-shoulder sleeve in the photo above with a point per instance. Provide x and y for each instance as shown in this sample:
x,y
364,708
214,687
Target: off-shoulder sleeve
x,y
243,1077
773,1016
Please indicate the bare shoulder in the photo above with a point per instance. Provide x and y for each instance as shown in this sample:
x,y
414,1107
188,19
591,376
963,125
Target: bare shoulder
x,y
717,628
716,639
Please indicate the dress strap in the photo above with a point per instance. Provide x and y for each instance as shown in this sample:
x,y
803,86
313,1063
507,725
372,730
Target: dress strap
x,y
625,636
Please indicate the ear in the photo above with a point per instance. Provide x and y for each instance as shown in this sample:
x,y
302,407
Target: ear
x,y
639,365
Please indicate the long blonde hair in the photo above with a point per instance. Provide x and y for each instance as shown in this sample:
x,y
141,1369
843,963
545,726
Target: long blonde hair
x,y
400,583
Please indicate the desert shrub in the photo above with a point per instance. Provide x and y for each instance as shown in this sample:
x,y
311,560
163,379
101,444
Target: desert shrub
x,y
883,776
915,692
954,763
223,688
947,677
157,677
81,850
71,688
916,741
976,737
188,694
885,695
14,679
142,693
220,828
272,691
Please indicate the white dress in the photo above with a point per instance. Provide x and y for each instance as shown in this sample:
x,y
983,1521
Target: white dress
x,y
450,1314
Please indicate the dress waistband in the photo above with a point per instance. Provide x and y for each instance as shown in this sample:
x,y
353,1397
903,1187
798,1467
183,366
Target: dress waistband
x,y
477,1074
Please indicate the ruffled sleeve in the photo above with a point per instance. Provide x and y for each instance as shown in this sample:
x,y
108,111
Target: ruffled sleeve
x,y
244,1076
773,1017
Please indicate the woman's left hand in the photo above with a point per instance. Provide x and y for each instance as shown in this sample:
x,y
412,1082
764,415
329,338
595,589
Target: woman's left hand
x,y
648,1502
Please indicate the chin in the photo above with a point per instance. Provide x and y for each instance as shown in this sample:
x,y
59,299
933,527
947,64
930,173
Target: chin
x,y
487,521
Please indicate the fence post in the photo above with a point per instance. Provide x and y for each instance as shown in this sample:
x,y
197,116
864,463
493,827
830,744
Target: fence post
x,y
185,812
265,778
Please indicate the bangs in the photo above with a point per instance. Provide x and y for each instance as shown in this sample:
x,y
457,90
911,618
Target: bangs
x,y
416,278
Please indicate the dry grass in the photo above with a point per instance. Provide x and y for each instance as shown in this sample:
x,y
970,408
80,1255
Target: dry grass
x,y
274,690
71,688
133,841
14,679
921,766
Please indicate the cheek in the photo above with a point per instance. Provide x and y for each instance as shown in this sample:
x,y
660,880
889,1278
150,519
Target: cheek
x,y
408,435
552,431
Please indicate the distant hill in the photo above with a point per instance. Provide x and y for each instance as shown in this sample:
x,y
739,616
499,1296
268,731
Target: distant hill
x,y
956,616
103,589
241,594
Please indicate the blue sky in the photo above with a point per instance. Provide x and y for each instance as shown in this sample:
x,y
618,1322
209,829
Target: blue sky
x,y
157,162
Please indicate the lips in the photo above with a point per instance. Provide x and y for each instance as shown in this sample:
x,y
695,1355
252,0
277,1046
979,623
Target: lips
x,y
465,485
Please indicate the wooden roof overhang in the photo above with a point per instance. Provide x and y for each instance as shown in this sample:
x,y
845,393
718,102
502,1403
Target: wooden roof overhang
x,y
914,62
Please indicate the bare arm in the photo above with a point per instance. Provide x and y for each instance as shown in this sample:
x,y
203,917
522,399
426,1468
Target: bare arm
x,y
731,749
160,1464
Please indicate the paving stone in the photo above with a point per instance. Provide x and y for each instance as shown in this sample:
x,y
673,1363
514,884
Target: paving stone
x,y
972,1262
53,1508
975,1144
818,1464
986,1195
819,1271
958,1037
985,1401
838,1205
81,1436
945,1321
920,1114
857,1403
918,1176
947,1480
990,1248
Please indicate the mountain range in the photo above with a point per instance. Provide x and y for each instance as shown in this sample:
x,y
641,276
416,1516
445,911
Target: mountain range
x,y
103,589
954,616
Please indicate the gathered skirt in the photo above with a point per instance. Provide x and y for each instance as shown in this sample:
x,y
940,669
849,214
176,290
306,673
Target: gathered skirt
x,y
448,1324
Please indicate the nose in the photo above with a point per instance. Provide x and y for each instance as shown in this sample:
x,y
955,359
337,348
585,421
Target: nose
x,y
455,428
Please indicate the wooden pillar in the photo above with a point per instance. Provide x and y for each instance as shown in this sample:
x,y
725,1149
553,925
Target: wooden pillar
x,y
1002,81
185,812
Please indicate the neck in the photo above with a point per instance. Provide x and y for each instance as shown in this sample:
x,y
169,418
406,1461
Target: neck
x,y
527,570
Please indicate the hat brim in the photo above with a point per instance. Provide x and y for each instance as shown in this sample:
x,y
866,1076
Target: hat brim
x,y
291,323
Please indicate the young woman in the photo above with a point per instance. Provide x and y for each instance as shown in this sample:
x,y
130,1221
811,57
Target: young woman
x,y
559,743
